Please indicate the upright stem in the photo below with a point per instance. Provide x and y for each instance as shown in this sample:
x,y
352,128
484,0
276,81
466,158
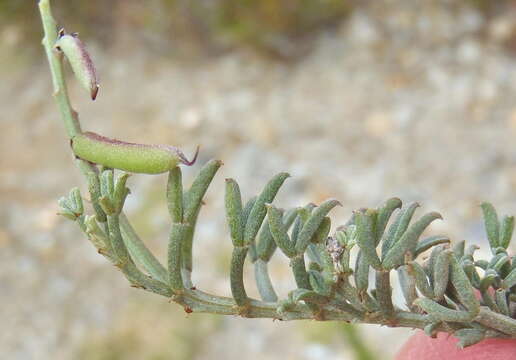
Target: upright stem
x,y
68,115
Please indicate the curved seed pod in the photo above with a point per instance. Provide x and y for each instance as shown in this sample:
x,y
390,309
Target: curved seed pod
x,y
234,212
366,240
506,230
258,212
384,214
408,242
441,273
491,223
80,61
441,313
313,222
428,242
130,157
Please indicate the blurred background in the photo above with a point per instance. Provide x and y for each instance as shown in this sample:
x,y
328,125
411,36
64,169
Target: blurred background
x,y
358,100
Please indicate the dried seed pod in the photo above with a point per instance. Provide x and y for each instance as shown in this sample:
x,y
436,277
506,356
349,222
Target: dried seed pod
x,y
80,61
130,157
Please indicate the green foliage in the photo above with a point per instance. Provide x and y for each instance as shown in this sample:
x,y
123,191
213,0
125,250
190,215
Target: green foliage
x,y
440,293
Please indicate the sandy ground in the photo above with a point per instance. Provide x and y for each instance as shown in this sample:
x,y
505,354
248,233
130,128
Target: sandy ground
x,y
408,101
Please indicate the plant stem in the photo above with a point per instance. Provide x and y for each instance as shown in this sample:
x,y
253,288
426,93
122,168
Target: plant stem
x,y
68,115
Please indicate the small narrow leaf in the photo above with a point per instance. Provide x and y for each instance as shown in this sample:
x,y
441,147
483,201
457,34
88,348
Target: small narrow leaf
x,y
259,210
408,242
307,295
312,224
491,223
441,273
177,236
501,300
384,214
366,240
361,272
318,283
468,337
236,276
193,197
406,216
263,281
510,280
408,285
441,313
234,212
175,194
278,231
421,280
463,286
429,242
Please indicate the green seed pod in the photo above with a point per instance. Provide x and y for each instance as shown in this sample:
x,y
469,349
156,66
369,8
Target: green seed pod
x,y
130,157
80,61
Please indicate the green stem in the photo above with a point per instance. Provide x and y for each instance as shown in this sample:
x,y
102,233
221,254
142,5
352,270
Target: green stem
x,y
68,115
